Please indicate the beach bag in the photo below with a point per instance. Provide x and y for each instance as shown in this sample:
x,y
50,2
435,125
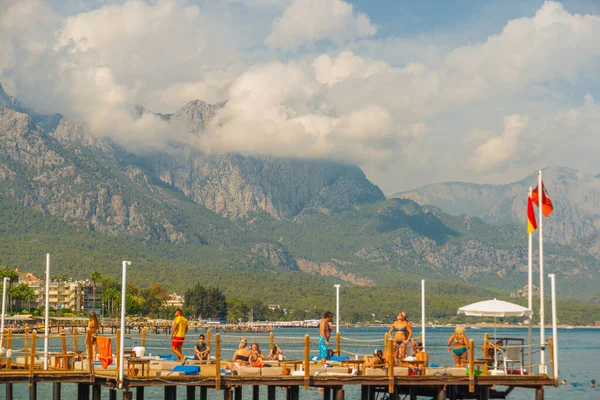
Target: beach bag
x,y
105,351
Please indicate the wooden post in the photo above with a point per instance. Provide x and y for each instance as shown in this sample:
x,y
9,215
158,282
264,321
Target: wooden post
x,y
218,361
144,337
118,358
90,352
75,340
392,364
96,392
203,393
471,366
255,392
26,347
83,391
208,336
539,393
306,361
237,392
386,343
139,393
271,392
127,394
338,339
271,339
32,361
56,391
8,391
9,347
2,345
191,392
63,340
170,392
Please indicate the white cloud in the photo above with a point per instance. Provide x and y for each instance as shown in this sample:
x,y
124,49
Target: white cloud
x,y
286,110
308,21
412,104
500,149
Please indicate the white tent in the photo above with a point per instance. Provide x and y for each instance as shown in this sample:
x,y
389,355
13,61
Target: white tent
x,y
494,308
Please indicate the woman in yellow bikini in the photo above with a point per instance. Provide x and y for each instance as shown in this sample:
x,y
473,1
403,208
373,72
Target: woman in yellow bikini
x,y
402,330
460,345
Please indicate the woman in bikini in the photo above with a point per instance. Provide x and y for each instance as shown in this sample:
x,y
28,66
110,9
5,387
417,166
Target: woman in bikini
x,y
243,357
93,327
460,345
402,330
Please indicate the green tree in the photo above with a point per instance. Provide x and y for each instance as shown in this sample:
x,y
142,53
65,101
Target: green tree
x,y
95,277
154,298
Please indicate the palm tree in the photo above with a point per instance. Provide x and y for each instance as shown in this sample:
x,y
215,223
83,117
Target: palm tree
x,y
95,276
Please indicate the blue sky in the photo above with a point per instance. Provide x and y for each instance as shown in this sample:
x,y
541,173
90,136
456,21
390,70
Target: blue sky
x,y
414,92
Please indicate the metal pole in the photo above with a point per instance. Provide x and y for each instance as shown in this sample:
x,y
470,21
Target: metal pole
x,y
47,312
423,313
337,308
530,288
123,306
540,223
554,329
5,281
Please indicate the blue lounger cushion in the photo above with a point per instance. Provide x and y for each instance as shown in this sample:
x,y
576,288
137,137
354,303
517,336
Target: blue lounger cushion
x,y
187,369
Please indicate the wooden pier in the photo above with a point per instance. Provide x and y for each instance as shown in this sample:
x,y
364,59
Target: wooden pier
x,y
332,382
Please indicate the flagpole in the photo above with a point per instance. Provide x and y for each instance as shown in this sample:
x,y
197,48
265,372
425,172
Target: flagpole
x,y
541,236
529,286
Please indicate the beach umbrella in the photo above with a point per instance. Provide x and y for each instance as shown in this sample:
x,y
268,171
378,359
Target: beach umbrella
x,y
494,308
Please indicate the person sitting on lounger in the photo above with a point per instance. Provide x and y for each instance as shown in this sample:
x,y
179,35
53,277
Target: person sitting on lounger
x,y
420,355
243,356
377,361
460,345
275,354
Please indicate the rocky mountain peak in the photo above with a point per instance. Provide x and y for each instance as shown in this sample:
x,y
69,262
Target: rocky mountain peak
x,y
6,100
196,114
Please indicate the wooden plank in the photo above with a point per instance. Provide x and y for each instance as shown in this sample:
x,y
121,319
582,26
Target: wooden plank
x,y
191,392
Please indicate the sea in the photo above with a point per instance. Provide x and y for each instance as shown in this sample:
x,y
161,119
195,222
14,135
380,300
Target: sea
x,y
578,354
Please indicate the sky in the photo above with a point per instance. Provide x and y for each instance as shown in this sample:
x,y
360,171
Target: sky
x,y
414,92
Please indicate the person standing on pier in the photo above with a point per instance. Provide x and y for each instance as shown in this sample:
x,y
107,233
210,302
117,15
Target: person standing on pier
x,y
402,331
325,329
180,328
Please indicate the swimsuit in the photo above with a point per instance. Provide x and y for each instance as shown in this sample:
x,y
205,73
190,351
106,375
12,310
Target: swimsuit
x,y
323,349
459,351
241,358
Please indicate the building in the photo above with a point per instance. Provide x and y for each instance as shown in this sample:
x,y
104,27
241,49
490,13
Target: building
x,y
25,277
74,295
174,300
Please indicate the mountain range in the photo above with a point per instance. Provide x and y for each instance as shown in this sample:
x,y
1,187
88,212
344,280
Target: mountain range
x,y
228,216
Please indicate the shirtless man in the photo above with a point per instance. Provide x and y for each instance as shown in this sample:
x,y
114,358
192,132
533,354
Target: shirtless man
x,y
325,329
180,328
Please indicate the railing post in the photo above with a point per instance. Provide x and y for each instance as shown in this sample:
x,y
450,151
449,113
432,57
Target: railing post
x,y
208,337
386,343
218,361
144,337
471,366
392,364
338,339
26,347
306,361
9,349
90,351
32,361
63,339
75,333
271,339
2,345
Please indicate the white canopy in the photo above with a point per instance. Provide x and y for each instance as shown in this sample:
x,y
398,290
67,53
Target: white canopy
x,y
494,308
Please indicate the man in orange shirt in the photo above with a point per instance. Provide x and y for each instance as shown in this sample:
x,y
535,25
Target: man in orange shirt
x,y
180,328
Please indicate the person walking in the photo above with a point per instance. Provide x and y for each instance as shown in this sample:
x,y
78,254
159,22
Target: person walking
x,y
180,328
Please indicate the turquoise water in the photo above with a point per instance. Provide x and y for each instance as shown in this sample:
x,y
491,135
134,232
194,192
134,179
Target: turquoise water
x,y
579,350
